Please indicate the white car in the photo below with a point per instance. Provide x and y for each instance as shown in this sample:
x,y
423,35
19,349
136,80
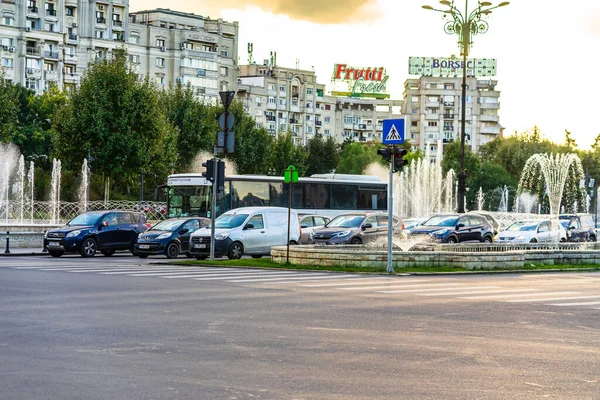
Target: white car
x,y
308,223
533,231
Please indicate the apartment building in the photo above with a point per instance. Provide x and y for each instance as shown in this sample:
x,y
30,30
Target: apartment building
x,y
46,42
287,99
432,104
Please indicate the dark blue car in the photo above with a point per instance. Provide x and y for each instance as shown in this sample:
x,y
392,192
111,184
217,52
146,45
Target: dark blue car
x,y
104,231
170,237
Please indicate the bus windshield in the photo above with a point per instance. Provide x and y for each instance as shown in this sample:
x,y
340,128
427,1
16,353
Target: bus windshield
x,y
188,201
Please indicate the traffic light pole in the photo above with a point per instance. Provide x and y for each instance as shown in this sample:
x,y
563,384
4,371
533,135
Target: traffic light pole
x,y
213,207
390,266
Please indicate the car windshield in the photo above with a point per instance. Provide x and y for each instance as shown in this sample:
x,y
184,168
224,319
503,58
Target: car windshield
x,y
346,221
442,220
85,219
523,226
565,223
229,221
168,225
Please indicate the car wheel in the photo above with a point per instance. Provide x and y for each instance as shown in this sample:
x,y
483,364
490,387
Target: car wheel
x,y
235,251
563,240
189,255
592,238
88,248
201,257
355,241
56,253
451,239
107,253
487,239
256,255
142,255
172,250
534,240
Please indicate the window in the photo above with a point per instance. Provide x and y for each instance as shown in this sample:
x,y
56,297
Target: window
x,y
224,71
160,43
7,42
271,86
33,63
201,72
50,27
99,35
344,197
206,48
259,99
414,99
282,88
327,120
224,53
309,91
32,84
8,20
134,59
7,62
160,80
70,11
316,195
160,62
272,100
327,132
414,123
134,38
348,120
309,129
248,194
432,123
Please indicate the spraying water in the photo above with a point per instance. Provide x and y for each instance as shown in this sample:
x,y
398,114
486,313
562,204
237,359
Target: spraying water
x,y
55,190
30,182
83,188
480,199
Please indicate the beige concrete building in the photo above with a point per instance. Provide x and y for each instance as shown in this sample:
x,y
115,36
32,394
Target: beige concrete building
x,y
282,99
47,42
433,106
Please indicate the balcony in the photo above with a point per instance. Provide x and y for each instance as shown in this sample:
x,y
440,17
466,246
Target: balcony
x,y
117,23
490,130
432,117
71,38
101,20
271,106
51,54
488,118
71,3
51,13
490,106
32,10
71,78
51,75
448,116
318,123
432,104
33,73
32,51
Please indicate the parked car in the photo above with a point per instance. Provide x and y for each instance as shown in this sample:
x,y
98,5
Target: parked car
x,y
411,223
533,231
355,228
169,237
247,230
580,227
104,231
308,223
455,228
496,224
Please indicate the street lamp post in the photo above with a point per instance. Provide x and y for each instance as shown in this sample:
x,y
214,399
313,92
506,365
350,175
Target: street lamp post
x,y
465,25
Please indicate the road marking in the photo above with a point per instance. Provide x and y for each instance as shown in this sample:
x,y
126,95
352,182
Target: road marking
x,y
516,295
553,299
423,290
480,292
291,280
424,285
367,281
207,273
583,303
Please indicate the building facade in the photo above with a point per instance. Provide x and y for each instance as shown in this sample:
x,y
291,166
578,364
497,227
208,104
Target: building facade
x,y
46,42
286,99
433,107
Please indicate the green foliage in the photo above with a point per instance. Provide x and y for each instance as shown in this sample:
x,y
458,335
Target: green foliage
x,y
323,155
490,178
285,153
120,119
356,157
9,110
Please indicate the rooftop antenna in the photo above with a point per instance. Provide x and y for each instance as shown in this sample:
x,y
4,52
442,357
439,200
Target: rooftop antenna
x,y
250,51
297,63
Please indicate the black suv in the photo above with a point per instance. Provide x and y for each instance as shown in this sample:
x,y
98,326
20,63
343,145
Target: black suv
x,y
455,228
107,231
580,227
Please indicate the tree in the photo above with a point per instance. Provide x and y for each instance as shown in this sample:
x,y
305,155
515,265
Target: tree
x,y
9,109
286,153
356,157
119,118
323,155
569,141
194,120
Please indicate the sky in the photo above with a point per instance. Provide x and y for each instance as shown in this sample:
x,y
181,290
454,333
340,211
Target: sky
x,y
547,50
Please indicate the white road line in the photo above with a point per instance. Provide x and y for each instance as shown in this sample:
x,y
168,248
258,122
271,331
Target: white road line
x,y
577,282
583,303
135,270
476,291
516,295
367,281
192,273
291,280
231,278
207,273
404,286
421,290
553,299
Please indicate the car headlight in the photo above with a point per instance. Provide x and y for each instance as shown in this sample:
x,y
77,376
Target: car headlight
x,y
73,234
163,236
340,234
440,232
222,236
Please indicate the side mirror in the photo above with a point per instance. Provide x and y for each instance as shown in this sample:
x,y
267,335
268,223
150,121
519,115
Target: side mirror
x,y
572,227
183,231
460,226
368,225
249,226
303,226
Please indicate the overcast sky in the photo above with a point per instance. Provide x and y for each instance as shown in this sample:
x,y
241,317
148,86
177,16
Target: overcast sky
x,y
548,51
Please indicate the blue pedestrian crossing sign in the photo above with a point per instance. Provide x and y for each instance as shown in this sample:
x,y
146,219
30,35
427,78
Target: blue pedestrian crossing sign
x,y
393,131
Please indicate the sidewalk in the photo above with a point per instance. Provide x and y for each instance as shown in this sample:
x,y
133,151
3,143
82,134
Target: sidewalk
x,y
31,251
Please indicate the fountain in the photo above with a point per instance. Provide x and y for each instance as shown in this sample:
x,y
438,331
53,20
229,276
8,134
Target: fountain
x,y
55,190
9,154
480,199
503,207
84,187
525,203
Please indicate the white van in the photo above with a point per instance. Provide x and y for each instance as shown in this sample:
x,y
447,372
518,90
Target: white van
x,y
247,230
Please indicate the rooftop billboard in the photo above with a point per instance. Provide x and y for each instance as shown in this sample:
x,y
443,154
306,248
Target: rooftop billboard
x,y
359,81
451,67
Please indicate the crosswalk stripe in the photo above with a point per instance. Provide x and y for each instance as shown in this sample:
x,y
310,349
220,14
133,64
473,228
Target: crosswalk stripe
x,y
231,277
553,299
516,295
135,270
582,303
223,272
191,273
403,286
286,280
478,292
438,289
367,281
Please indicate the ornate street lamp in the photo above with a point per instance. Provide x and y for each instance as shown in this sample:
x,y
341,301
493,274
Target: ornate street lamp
x,y
465,25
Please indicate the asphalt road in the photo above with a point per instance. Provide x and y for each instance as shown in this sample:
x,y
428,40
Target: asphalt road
x,y
121,328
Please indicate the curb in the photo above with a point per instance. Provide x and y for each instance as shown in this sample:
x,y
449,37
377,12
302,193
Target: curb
x,y
31,253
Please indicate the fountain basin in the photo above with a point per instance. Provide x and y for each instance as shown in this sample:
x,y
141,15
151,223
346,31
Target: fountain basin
x,y
462,256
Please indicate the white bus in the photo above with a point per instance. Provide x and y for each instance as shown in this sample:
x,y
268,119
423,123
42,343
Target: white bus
x,y
323,194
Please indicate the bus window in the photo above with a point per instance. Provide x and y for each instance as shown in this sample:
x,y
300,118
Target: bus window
x,y
297,200
249,194
276,195
372,199
316,195
344,197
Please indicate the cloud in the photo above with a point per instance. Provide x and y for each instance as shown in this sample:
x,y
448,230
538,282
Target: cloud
x,y
318,11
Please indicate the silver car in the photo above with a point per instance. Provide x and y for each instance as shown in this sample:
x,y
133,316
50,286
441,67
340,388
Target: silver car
x,y
310,222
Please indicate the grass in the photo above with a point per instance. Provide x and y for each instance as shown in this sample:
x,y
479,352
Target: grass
x,y
266,263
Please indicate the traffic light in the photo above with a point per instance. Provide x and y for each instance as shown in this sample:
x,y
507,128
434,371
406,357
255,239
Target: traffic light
x,y
220,176
386,153
399,160
209,174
